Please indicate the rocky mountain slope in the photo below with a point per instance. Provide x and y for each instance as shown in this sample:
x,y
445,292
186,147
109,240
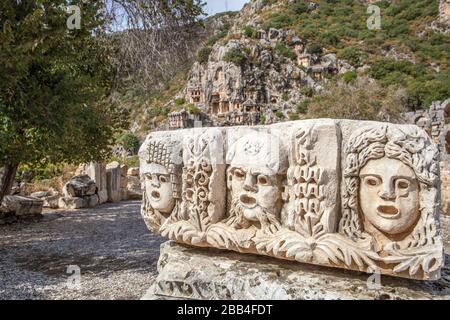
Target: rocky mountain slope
x,y
264,62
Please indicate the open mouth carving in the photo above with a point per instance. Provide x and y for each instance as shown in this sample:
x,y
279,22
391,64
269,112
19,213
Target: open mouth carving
x,y
249,202
388,212
155,195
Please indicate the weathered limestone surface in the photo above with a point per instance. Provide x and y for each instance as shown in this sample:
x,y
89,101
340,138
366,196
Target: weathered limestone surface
x,y
190,273
97,172
113,179
357,195
79,192
80,186
436,122
50,198
21,206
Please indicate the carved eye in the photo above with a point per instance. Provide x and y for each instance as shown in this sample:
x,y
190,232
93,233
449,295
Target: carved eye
x,y
372,181
263,180
403,184
163,179
239,174
148,176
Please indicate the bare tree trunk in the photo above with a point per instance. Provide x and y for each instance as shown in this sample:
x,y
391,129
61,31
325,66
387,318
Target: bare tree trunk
x,y
7,175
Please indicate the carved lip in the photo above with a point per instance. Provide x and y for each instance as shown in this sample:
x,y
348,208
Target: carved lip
x,y
388,212
155,195
248,201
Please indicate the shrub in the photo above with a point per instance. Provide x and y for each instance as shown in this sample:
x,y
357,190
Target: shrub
x,y
302,107
280,115
330,38
351,55
180,101
307,91
236,56
220,35
350,76
278,21
422,93
394,72
155,112
314,48
285,97
293,116
203,55
262,119
250,32
284,51
192,108
365,100
130,142
299,7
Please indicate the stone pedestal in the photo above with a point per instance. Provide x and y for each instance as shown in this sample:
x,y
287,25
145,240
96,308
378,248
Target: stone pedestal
x,y
205,273
113,179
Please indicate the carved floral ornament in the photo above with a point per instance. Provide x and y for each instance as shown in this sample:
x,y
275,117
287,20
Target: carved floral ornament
x,y
346,194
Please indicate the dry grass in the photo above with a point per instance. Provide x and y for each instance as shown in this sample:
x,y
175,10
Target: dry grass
x,y
66,172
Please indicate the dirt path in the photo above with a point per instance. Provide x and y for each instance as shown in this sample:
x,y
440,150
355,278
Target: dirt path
x,y
110,244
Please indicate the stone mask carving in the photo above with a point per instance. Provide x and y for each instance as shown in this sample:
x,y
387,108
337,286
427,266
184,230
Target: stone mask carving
x,y
389,200
257,164
158,188
161,177
389,195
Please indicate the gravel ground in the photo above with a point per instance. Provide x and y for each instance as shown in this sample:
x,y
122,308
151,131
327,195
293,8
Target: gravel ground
x,y
110,244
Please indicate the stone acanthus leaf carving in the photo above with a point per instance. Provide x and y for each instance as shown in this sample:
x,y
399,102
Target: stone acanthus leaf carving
x,y
201,176
347,194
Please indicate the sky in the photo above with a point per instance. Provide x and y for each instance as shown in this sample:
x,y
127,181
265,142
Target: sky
x,y
215,6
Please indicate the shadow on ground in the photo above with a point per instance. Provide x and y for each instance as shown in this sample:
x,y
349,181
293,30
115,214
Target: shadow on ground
x,y
110,244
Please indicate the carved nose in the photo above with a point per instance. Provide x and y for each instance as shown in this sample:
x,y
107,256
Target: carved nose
x,y
249,184
385,195
250,188
155,182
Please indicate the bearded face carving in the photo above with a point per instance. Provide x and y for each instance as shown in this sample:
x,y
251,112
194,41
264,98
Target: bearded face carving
x,y
254,192
389,195
255,176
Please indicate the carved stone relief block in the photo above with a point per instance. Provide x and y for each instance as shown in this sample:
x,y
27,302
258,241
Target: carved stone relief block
x,y
348,194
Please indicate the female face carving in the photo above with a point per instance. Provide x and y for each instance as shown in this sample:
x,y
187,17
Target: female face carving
x,y
389,195
158,189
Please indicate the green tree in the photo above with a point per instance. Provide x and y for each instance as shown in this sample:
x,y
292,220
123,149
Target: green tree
x,y
130,142
53,86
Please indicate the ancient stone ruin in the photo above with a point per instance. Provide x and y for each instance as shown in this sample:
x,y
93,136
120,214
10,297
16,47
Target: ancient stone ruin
x,y
347,194
262,92
436,122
